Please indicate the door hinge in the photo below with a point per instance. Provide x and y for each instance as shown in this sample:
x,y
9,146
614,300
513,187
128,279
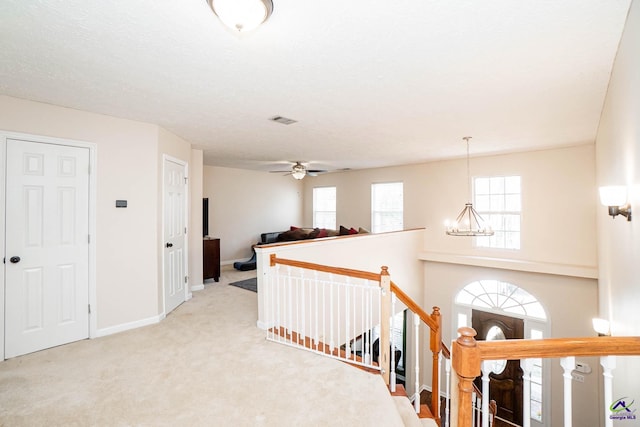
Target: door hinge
x,y
186,180
89,305
186,279
88,238
185,230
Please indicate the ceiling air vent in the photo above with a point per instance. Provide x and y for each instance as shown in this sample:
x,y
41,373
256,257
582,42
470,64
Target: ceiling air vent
x,y
283,120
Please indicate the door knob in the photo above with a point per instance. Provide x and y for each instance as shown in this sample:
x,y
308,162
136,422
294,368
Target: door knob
x,y
14,259
169,245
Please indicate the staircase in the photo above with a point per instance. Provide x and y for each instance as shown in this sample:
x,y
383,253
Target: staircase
x,y
410,418
327,310
423,419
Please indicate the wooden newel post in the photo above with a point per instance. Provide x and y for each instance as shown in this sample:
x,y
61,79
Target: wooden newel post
x,y
385,318
465,359
435,345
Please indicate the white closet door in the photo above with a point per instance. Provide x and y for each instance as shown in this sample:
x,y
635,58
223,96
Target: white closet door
x,y
47,231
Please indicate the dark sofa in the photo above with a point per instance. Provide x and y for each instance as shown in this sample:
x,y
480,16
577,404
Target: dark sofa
x,y
292,235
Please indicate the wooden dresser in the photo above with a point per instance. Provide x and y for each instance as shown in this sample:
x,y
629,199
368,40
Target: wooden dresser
x,y
211,259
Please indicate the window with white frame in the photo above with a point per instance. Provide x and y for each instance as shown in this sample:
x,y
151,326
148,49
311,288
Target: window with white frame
x,y
498,201
324,207
387,207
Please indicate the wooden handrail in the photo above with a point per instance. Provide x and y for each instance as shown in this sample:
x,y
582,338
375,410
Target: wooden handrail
x,y
559,347
411,305
367,275
468,355
445,350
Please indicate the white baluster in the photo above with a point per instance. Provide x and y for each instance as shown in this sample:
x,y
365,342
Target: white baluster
x,y
317,316
324,315
416,329
474,409
447,370
367,334
568,364
440,357
608,364
487,367
347,309
392,374
527,367
331,342
338,313
278,304
300,312
354,321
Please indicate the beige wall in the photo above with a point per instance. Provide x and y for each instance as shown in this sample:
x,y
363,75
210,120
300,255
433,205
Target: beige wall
x,y
128,284
127,263
618,163
195,232
558,199
243,204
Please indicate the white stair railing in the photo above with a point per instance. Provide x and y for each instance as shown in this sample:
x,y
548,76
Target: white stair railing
x,y
334,311
324,313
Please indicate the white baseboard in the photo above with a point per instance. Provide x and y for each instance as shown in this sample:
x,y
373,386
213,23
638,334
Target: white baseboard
x,y
424,387
195,288
262,325
127,326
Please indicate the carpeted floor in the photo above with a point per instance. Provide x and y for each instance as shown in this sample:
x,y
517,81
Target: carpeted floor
x,y
206,364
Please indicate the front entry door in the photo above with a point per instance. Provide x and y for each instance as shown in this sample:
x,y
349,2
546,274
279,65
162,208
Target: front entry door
x,y
174,235
505,387
47,246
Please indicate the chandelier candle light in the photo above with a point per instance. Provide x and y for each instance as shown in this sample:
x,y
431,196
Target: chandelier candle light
x,y
469,222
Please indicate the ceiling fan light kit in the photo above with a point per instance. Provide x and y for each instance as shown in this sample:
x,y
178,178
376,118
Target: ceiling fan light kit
x,y
299,171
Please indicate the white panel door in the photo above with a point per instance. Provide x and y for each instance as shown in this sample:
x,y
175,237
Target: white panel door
x,y
47,249
174,235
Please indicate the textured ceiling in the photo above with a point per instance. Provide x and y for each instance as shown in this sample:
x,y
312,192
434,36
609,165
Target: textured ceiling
x,y
370,83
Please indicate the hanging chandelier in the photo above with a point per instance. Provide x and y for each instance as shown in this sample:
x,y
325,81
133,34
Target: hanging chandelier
x,y
469,222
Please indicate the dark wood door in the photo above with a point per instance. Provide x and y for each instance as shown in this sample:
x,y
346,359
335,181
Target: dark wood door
x,y
505,387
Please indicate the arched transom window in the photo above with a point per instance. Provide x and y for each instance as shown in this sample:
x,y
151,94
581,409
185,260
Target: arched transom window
x,y
501,296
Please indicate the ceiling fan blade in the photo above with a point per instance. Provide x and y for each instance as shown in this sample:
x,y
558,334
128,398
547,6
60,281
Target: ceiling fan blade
x,y
280,171
316,171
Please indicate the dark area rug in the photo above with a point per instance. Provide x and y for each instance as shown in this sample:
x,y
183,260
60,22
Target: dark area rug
x,y
248,284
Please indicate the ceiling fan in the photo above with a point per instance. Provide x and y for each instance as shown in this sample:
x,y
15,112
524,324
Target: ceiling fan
x,y
299,171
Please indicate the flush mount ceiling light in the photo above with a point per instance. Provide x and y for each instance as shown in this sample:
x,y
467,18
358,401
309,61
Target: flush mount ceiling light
x,y
242,15
469,222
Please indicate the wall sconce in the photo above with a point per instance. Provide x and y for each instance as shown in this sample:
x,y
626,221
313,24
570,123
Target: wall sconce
x,y
615,198
601,326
